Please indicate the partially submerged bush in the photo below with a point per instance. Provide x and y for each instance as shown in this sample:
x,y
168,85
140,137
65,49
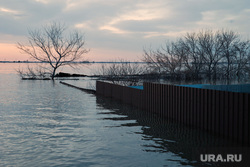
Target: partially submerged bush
x,y
34,73
122,73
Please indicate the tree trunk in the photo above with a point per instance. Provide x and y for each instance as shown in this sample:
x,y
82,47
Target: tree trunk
x,y
53,74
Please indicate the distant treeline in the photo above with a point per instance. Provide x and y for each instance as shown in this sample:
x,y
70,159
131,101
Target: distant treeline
x,y
27,61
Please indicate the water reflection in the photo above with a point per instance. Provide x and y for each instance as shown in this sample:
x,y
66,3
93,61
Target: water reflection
x,y
42,124
168,137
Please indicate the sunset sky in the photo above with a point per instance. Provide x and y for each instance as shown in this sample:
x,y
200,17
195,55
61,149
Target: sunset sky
x,y
119,29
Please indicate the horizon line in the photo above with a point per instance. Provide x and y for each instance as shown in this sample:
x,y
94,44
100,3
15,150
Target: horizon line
x,y
26,61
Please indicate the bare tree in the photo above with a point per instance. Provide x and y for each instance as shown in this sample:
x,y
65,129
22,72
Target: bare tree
x,y
229,40
242,59
203,55
53,45
211,48
193,58
167,59
123,73
153,60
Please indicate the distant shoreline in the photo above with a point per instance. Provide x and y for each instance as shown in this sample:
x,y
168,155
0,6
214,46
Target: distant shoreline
x,y
82,62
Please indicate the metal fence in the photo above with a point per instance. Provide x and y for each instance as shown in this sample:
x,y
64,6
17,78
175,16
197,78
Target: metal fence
x,y
223,113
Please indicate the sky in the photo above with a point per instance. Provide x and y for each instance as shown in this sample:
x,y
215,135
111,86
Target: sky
x,y
119,29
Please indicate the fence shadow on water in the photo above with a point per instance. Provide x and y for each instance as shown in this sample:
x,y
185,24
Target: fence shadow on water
x,y
167,135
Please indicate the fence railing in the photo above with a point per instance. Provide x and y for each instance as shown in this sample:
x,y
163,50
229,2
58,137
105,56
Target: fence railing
x,y
223,113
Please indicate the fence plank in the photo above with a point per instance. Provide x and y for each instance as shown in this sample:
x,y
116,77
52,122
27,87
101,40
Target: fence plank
x,y
230,120
209,125
192,106
240,118
195,107
246,122
188,106
168,102
222,113
235,116
247,119
175,103
213,110
202,104
162,100
226,115
217,112
181,104
185,100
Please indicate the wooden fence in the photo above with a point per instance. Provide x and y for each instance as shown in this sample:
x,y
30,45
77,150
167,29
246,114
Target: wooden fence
x,y
224,113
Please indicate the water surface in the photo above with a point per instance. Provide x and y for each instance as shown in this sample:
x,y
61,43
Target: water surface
x,y
45,123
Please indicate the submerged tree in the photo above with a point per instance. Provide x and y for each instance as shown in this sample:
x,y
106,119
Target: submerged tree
x,y
208,54
55,46
166,60
122,73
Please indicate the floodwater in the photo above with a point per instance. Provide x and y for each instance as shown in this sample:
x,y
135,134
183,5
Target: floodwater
x,y
45,123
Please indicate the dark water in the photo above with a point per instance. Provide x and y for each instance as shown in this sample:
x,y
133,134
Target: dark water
x,y
44,123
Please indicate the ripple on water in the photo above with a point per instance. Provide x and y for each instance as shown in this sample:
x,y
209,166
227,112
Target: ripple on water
x,y
48,124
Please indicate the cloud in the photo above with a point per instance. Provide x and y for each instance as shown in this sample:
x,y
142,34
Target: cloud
x,y
124,24
217,19
43,1
136,14
10,12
